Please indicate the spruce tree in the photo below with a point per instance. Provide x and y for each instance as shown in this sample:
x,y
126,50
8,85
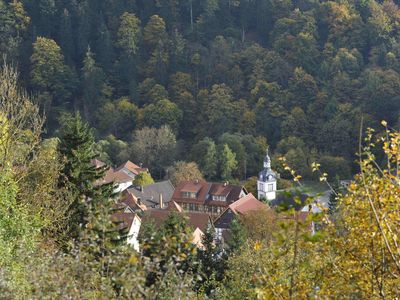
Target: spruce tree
x,y
79,175
212,262
238,236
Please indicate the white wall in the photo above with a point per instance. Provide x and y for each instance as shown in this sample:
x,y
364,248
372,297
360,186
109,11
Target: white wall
x,y
134,233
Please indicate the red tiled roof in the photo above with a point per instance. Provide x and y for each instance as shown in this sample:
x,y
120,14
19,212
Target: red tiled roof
x,y
125,219
205,190
117,177
246,204
134,168
202,192
191,187
195,220
131,201
230,191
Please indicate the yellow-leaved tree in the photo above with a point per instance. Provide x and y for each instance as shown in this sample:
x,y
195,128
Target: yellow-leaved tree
x,y
355,254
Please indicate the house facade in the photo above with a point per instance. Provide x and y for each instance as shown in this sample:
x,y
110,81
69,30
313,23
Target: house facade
x,y
206,197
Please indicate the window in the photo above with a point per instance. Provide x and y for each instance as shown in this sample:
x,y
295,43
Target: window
x,y
261,186
218,198
189,195
216,209
218,234
270,187
191,206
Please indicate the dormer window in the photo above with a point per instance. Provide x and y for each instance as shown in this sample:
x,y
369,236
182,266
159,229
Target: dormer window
x,y
218,198
189,195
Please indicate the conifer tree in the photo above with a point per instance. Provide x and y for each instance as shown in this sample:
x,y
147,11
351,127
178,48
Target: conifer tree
x,y
104,236
79,175
212,262
238,236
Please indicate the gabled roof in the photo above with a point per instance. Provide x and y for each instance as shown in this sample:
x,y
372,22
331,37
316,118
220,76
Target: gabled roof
x,y
201,185
173,206
130,166
128,199
230,191
246,204
117,177
125,219
242,206
205,191
149,195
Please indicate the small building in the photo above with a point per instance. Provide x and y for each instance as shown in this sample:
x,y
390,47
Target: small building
x,y
121,176
132,223
267,179
202,196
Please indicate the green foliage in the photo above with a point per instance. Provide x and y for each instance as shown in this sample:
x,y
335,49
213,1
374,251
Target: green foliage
x,y
143,179
204,153
238,236
212,262
155,148
79,175
170,245
228,162
128,33
251,185
20,231
163,112
183,171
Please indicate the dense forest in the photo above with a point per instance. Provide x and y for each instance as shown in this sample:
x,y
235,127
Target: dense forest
x,y
296,75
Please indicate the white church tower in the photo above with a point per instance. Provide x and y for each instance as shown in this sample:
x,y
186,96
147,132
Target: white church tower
x,y
266,183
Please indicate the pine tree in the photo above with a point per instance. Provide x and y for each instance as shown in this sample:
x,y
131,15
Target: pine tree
x,y
79,175
238,236
104,237
212,262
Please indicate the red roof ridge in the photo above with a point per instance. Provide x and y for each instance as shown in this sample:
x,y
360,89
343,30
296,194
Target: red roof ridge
x,y
247,203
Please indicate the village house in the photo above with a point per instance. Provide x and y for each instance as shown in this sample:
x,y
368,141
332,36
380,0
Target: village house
x,y
121,176
132,222
244,205
198,222
201,196
156,195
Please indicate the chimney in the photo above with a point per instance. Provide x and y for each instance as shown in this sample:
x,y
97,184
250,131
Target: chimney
x,y
196,181
139,201
225,183
160,200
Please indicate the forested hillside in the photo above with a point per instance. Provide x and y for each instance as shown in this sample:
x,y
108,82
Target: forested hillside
x,y
298,75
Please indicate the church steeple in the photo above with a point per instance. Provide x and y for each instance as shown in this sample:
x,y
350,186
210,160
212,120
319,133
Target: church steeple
x,y
267,161
266,183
